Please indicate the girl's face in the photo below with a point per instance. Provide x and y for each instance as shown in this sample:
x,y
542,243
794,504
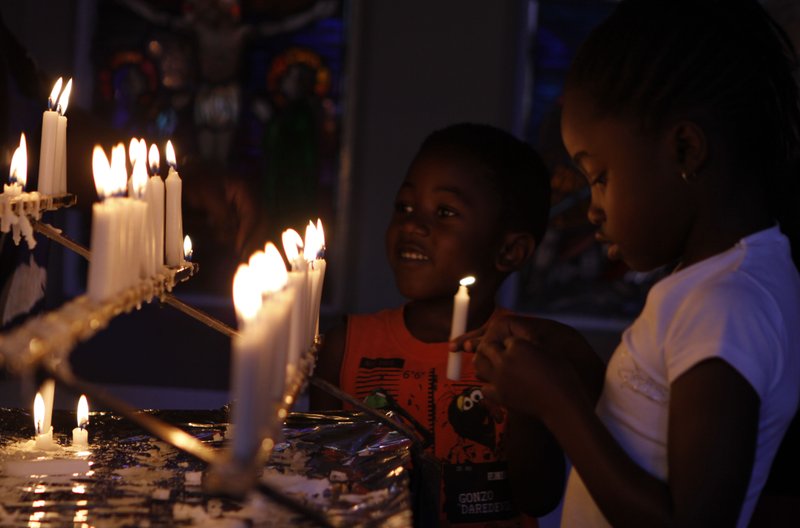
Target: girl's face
x,y
444,227
639,201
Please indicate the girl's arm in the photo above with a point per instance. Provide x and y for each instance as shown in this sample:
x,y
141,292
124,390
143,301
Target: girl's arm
x,y
713,423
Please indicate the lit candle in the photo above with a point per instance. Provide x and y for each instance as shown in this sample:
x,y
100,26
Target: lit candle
x,y
312,251
60,164
277,304
48,392
126,270
18,172
80,435
155,203
292,243
262,304
173,235
47,152
137,190
44,437
247,392
103,235
458,326
187,248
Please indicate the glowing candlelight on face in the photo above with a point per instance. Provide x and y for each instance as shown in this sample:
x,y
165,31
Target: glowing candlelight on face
x,y
63,99
187,248
19,163
80,436
458,325
51,101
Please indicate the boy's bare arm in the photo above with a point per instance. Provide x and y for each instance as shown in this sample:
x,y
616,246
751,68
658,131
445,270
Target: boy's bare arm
x,y
329,364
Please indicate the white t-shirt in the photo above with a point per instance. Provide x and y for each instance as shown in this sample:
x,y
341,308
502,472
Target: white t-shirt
x,y
743,306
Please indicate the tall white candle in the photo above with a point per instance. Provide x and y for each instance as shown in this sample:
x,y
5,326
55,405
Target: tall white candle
x,y
145,243
47,152
458,326
155,202
173,236
247,390
60,165
80,435
104,241
48,392
292,243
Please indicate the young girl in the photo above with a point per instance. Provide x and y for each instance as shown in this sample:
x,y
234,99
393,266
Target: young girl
x,y
683,116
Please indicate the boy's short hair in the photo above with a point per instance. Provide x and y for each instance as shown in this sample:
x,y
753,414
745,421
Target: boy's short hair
x,y
512,166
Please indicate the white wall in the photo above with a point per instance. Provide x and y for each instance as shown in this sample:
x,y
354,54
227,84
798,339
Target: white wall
x,y
421,64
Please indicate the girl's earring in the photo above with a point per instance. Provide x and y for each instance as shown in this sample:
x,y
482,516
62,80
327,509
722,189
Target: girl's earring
x,y
688,177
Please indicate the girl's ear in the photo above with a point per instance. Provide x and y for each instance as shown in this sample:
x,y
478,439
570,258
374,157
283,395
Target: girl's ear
x,y
516,250
690,145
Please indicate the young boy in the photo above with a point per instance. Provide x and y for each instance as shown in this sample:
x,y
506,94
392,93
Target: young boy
x,y
474,202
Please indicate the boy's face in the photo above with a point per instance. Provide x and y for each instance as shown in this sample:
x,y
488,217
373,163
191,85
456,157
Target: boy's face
x,y
444,227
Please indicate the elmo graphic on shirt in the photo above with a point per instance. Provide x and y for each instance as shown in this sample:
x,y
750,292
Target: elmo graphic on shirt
x,y
472,418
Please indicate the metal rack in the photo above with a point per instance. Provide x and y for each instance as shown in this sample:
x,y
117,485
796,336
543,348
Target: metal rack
x,y
43,344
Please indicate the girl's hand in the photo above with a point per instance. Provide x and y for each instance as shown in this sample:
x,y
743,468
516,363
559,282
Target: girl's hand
x,y
528,362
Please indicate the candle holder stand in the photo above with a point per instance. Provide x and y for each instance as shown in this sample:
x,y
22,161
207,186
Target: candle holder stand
x,y
42,345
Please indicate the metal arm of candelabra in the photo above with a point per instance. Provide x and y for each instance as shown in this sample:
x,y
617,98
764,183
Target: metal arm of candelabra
x,y
44,343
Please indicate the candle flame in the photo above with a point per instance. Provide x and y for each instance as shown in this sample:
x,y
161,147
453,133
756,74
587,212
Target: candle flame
x,y
119,170
467,281
51,101
154,158
246,298
187,247
133,151
83,411
258,267
38,413
311,245
63,99
171,156
139,178
19,163
101,171
291,244
275,269
320,235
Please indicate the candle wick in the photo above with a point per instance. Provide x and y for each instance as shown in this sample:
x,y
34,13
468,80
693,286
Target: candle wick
x,y
39,427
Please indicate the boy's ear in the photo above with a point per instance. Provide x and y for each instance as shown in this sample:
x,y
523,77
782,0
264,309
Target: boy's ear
x,y
516,250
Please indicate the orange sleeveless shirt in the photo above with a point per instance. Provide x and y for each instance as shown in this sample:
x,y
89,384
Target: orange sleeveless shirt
x,y
383,359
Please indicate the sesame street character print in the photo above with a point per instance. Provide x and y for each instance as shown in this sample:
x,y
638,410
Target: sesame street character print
x,y
474,421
